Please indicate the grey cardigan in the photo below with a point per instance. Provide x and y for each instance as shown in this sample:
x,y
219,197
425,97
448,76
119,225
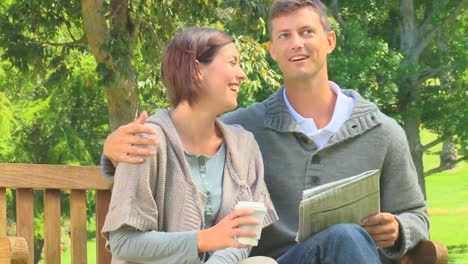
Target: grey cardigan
x,y
367,140
161,195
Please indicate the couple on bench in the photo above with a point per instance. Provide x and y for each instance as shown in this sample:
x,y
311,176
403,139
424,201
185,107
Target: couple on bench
x,y
181,171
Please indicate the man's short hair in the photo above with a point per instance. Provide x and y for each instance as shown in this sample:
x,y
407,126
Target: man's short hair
x,y
179,65
284,7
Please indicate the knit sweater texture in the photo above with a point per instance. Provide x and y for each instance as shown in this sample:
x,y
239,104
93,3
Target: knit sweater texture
x,y
368,140
160,193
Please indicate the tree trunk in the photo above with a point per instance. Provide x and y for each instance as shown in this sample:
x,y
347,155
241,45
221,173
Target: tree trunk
x,y
411,128
113,47
122,101
409,91
448,155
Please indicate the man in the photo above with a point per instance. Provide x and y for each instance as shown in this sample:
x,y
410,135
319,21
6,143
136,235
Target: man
x,y
311,132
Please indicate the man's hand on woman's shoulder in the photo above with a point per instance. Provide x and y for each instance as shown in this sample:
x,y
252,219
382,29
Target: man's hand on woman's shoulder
x,y
120,145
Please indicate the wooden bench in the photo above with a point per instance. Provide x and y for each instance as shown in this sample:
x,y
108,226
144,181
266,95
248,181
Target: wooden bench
x,y
53,178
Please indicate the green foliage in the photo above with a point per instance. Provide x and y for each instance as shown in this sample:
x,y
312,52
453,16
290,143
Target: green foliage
x,y
446,113
7,123
262,80
418,78
365,63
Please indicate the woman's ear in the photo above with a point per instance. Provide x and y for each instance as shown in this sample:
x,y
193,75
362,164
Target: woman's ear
x,y
198,71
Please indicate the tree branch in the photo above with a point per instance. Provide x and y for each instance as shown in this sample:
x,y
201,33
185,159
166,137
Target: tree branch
x,y
427,22
430,36
426,74
76,42
442,168
95,27
68,27
432,144
336,14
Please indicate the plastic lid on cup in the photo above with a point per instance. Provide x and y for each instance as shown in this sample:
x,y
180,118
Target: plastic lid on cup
x,y
252,205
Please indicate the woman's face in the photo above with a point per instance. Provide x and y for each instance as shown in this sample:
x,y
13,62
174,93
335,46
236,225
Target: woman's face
x,y
220,80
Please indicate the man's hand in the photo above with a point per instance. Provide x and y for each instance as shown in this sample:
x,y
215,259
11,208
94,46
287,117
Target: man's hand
x,y
223,233
120,144
384,229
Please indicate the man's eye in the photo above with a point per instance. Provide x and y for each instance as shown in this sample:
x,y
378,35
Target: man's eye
x,y
283,36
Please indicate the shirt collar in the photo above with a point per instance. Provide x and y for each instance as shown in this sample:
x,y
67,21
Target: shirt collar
x,y
343,108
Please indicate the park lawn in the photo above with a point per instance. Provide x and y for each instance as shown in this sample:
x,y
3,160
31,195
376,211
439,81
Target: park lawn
x,y
447,198
447,195
65,257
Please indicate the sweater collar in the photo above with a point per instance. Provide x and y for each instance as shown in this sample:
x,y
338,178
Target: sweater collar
x,y
365,115
163,119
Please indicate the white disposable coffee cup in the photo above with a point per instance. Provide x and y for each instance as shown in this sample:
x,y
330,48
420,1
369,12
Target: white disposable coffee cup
x,y
260,212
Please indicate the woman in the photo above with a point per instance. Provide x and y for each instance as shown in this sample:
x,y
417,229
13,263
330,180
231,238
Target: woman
x,y
177,206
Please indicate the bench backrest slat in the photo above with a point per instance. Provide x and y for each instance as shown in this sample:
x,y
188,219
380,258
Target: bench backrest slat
x,y
43,176
52,226
78,226
25,218
102,206
2,212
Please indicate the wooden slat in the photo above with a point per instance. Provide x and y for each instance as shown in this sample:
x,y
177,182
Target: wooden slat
x,y
78,226
39,176
2,212
5,250
102,206
52,226
25,218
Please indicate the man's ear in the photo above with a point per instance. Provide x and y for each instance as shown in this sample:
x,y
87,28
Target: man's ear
x,y
331,38
271,50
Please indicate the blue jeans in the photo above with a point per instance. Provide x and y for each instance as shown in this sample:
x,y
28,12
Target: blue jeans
x,y
342,243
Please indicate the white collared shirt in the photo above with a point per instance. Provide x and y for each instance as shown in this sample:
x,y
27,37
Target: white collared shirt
x,y
343,108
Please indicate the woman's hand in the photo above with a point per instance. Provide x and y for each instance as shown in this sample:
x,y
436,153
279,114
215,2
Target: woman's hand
x,y
223,234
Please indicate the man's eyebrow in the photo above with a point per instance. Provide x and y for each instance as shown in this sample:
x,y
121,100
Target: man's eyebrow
x,y
282,31
307,27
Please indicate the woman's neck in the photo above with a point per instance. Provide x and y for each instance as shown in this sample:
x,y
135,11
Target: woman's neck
x,y
197,129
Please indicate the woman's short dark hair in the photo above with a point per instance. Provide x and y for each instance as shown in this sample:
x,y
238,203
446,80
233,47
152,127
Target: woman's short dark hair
x,y
179,66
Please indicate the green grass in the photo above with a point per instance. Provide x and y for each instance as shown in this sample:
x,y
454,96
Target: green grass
x,y
447,198
65,258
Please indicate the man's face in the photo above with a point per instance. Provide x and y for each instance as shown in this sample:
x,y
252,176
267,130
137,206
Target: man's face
x,y
300,45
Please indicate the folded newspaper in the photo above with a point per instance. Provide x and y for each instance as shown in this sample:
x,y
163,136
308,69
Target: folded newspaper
x,y
345,201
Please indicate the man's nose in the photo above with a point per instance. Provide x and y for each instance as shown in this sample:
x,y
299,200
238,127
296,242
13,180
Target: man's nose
x,y
296,42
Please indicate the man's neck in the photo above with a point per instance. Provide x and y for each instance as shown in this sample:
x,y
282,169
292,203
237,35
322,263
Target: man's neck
x,y
312,99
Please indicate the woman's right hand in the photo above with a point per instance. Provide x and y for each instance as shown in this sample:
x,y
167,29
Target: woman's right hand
x,y
223,234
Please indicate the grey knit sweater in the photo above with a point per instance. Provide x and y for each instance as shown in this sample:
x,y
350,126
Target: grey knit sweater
x,y
368,140
160,194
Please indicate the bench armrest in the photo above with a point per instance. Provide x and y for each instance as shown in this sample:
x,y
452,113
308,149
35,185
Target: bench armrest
x,y
426,252
13,250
